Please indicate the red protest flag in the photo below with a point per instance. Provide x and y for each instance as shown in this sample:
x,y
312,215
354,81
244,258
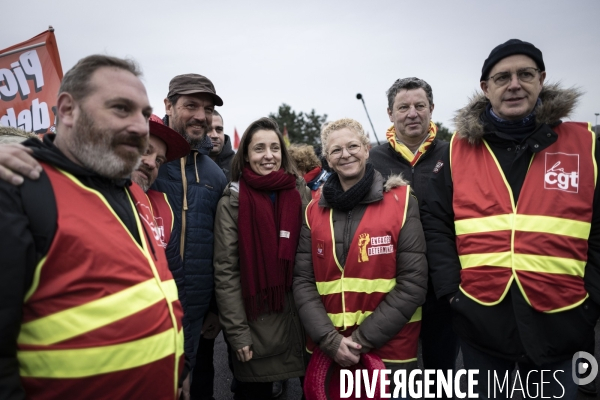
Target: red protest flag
x,y
236,139
30,76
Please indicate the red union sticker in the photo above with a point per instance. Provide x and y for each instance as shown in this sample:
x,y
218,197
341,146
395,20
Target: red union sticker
x,y
562,172
320,248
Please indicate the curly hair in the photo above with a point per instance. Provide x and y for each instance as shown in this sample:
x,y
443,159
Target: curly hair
x,y
348,123
305,157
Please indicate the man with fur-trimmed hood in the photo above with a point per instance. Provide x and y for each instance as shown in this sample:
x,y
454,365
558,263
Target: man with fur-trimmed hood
x,y
513,228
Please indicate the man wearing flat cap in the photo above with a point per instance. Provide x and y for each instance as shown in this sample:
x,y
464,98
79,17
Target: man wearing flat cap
x,y
193,185
513,228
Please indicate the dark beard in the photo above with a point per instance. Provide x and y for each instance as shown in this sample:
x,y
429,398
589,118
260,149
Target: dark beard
x,y
181,129
194,143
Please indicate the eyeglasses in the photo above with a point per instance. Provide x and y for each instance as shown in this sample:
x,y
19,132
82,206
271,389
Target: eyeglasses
x,y
351,148
523,75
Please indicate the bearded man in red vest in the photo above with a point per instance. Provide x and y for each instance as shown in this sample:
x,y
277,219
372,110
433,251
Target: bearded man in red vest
x,y
513,228
89,307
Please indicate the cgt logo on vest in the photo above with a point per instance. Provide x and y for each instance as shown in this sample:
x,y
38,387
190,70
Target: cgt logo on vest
x,y
154,223
321,248
562,172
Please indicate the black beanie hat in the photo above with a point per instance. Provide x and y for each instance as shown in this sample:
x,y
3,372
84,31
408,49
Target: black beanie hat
x,y
509,48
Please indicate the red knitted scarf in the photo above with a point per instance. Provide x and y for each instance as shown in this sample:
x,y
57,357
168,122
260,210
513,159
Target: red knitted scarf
x,y
268,237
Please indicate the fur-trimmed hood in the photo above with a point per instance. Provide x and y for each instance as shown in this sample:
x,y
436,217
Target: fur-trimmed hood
x,y
557,103
394,181
9,134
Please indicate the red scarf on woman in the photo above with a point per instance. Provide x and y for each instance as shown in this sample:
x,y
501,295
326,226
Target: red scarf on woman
x,y
267,239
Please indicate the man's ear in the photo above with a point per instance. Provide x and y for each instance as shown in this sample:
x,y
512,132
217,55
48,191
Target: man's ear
x,y
66,110
484,87
168,107
390,115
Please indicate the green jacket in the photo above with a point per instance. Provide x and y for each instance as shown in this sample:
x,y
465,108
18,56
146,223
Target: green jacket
x,y
277,339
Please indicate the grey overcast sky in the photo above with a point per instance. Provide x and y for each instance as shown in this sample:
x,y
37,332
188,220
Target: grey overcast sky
x,y
319,54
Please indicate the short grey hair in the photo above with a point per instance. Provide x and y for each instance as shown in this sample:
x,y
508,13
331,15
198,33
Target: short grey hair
x,y
408,84
76,81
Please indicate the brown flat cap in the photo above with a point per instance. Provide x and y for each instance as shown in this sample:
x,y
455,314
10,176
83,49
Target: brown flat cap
x,y
193,83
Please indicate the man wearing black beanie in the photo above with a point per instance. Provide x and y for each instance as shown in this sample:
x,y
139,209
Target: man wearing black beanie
x,y
513,229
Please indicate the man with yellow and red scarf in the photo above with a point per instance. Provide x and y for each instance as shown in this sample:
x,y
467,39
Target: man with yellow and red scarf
x,y
414,151
89,307
513,228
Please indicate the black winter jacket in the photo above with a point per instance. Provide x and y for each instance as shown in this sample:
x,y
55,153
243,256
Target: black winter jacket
x,y
388,162
512,329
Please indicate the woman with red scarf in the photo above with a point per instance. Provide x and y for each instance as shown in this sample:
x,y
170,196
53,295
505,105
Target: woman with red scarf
x,y
257,227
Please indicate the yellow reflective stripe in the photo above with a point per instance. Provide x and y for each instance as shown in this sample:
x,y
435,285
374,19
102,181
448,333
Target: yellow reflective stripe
x,y
525,262
356,285
593,152
36,278
550,265
170,210
406,205
333,243
356,318
306,214
348,319
484,224
553,225
452,139
416,316
526,223
512,199
170,290
79,363
78,320
494,259
398,361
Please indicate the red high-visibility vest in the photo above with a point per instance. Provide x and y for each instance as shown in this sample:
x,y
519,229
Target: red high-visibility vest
x,y
352,293
541,242
102,317
163,216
